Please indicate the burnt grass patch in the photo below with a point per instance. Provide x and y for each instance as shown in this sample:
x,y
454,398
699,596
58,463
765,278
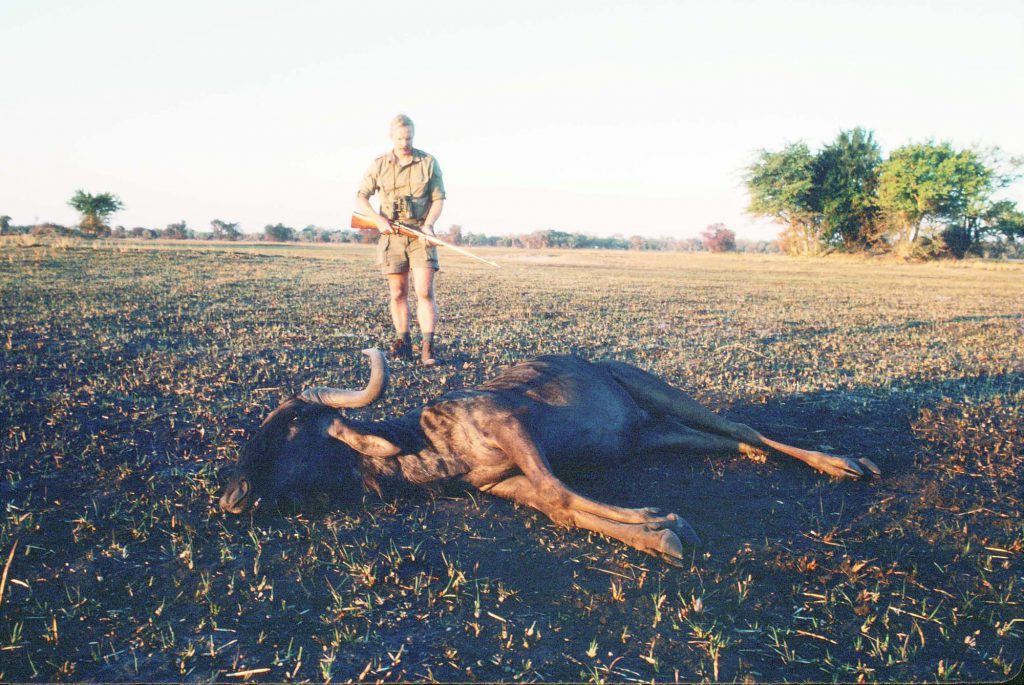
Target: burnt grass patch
x,y
129,378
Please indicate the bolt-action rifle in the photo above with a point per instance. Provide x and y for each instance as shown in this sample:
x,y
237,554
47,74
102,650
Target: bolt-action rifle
x,y
365,223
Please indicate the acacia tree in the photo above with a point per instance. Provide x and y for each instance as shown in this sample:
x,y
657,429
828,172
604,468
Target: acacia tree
x,y
781,186
973,217
1003,222
178,231
95,209
279,233
934,197
909,195
223,230
845,179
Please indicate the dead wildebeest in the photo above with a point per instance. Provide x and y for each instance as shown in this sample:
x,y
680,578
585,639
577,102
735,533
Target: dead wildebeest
x,y
506,437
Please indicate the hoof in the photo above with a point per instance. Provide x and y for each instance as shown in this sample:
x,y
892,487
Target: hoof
x,y
687,533
669,547
854,468
666,544
684,530
870,466
844,467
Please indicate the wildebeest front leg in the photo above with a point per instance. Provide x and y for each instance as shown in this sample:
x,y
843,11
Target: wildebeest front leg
x,y
658,536
644,529
522,451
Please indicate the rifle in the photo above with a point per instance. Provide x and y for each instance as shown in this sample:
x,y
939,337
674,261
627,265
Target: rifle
x,y
363,222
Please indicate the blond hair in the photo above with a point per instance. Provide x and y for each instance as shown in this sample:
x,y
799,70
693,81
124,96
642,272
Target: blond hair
x,y
402,120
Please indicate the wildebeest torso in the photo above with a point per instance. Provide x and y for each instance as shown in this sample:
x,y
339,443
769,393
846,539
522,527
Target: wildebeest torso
x,y
544,395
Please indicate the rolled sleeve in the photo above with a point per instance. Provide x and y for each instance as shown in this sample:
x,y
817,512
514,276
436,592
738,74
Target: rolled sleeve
x,y
436,183
369,185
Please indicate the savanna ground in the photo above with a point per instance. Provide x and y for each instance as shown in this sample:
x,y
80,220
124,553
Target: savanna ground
x,y
131,375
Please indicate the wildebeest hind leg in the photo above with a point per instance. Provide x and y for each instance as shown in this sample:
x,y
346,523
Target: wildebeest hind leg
x,y
671,437
661,399
659,536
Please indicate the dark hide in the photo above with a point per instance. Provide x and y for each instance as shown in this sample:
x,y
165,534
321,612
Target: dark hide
x,y
508,437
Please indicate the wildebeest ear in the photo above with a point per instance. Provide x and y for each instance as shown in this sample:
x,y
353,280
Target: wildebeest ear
x,y
364,443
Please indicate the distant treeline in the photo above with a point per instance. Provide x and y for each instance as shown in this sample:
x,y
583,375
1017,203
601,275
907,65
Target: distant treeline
x,y
715,238
925,200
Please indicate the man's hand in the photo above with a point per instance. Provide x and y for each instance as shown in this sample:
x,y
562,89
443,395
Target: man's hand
x,y
384,227
427,229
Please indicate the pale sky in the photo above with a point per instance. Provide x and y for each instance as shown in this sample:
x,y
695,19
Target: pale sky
x,y
593,117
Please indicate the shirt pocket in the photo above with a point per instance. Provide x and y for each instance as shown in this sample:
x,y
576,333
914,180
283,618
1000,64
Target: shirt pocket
x,y
419,180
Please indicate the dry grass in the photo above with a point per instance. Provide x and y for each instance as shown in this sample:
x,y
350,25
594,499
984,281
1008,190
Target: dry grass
x,y
130,376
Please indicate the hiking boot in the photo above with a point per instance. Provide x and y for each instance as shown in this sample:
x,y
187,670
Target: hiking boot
x,y
427,351
401,347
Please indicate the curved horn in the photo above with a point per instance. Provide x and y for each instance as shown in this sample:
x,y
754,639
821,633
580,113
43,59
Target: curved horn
x,y
350,399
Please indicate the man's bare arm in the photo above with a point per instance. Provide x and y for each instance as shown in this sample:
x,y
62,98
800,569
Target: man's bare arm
x,y
364,206
432,216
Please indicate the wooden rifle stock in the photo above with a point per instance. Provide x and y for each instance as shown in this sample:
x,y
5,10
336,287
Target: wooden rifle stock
x,y
366,223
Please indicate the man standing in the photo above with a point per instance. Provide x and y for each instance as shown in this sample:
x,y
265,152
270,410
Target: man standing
x,y
412,192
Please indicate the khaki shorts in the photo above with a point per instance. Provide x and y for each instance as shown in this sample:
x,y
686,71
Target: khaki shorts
x,y
396,253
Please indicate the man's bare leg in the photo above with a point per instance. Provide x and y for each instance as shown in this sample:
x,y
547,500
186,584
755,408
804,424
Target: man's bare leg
x,y
398,303
426,310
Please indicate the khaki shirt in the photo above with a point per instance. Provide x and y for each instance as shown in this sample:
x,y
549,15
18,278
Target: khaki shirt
x,y
420,180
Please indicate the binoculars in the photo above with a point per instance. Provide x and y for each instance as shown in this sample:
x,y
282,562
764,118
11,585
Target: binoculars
x,y
402,208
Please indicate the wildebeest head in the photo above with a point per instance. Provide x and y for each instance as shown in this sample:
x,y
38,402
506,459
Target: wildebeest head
x,y
304,445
